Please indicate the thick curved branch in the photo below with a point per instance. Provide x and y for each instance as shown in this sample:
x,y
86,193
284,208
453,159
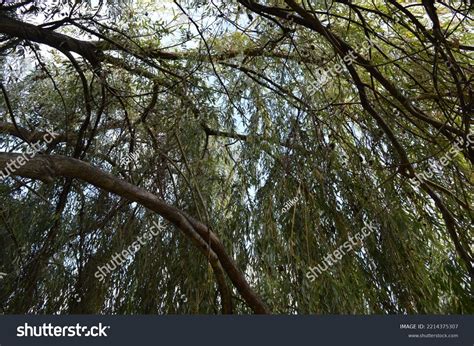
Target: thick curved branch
x,y
63,43
48,167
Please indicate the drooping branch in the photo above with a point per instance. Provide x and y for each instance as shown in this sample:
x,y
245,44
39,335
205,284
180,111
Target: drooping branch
x,y
48,167
342,48
305,18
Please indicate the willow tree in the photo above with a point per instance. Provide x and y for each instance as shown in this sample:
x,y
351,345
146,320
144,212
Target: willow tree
x,y
261,134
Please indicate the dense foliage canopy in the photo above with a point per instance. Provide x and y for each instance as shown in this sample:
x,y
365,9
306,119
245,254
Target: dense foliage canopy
x,y
262,134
